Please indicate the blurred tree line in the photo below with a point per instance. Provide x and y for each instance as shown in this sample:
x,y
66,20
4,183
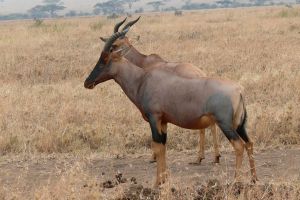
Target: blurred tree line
x,y
114,8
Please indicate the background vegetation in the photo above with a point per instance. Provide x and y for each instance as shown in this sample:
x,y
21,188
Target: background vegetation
x,y
56,8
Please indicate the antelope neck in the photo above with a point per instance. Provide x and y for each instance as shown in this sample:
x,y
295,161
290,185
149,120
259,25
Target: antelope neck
x,y
129,77
135,56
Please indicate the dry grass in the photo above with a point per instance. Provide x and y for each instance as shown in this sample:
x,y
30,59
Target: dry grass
x,y
44,107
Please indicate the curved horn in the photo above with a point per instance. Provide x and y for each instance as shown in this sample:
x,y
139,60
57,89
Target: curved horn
x,y
117,26
113,38
131,23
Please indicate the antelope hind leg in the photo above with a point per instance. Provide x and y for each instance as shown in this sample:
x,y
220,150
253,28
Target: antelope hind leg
x,y
238,146
249,149
216,143
241,130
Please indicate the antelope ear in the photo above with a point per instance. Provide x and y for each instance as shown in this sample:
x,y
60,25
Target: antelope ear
x,y
103,39
116,55
120,52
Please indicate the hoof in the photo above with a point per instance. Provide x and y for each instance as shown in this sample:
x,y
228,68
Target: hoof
x,y
161,180
217,159
153,158
197,162
159,185
254,180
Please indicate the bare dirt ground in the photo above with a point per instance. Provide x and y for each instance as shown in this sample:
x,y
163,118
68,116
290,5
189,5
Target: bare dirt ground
x,y
26,175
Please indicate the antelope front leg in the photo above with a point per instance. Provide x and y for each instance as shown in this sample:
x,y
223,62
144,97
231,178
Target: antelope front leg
x,y
216,144
160,152
159,138
201,145
164,130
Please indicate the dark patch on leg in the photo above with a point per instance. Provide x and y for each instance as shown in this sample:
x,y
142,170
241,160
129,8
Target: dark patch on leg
x,y
229,133
243,133
163,138
156,136
159,138
241,130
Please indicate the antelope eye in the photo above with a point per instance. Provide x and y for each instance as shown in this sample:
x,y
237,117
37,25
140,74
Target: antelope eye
x,y
113,47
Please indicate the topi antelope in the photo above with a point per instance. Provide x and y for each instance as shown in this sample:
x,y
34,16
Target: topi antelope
x,y
164,97
153,61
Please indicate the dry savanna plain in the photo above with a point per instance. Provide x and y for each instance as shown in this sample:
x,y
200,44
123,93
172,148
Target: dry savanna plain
x,y
61,141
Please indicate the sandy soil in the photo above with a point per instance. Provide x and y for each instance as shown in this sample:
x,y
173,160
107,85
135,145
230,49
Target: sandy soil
x,y
26,174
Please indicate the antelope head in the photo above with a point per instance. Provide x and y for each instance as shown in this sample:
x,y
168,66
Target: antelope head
x,y
122,42
105,68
